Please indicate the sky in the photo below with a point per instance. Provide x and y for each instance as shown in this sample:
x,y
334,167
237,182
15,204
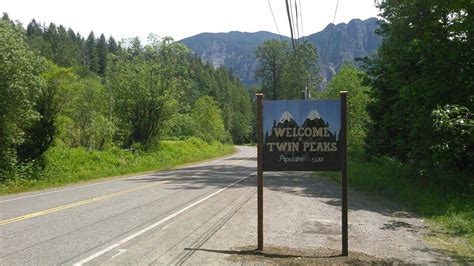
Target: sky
x,y
184,18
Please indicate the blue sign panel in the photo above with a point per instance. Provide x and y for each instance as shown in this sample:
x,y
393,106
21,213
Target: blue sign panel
x,y
302,135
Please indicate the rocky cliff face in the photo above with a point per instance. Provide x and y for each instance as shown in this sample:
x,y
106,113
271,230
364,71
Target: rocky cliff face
x,y
236,50
348,41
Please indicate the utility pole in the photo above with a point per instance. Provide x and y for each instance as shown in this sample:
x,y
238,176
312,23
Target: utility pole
x,y
307,91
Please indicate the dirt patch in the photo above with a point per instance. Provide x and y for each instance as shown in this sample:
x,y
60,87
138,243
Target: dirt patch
x,y
290,256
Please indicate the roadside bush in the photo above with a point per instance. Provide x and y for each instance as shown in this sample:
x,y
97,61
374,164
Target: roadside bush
x,y
180,126
454,142
208,120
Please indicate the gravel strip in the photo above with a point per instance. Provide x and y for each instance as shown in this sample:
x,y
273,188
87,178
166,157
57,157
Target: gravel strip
x,y
302,217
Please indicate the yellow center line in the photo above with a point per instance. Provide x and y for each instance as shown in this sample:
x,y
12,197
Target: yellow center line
x,y
79,203
91,200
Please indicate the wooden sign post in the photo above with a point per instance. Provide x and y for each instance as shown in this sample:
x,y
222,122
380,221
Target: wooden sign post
x,y
260,169
302,135
345,246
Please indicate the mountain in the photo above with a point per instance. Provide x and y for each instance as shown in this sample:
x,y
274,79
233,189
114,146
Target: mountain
x,y
236,50
347,42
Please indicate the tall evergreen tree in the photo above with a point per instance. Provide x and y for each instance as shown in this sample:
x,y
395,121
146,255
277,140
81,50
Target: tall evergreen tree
x,y
90,53
101,55
112,45
6,17
51,38
33,29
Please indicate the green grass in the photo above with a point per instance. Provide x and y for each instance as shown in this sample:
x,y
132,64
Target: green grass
x,y
449,208
71,165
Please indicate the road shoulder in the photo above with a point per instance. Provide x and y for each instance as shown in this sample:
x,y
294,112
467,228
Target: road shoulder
x,y
302,225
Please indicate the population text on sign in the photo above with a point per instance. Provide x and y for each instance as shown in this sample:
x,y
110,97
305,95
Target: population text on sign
x,y
302,135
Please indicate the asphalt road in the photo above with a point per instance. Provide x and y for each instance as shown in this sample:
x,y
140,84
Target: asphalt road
x,y
145,219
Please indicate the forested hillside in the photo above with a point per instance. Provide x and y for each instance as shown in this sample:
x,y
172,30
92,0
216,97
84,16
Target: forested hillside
x,y
61,89
336,44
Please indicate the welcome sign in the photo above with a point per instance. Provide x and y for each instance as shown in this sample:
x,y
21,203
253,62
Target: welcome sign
x,y
302,135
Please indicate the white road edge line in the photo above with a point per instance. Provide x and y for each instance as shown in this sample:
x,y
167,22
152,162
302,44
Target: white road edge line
x,y
99,183
119,253
146,229
55,191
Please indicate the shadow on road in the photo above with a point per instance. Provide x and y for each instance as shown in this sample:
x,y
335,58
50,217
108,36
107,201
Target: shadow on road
x,y
255,252
304,184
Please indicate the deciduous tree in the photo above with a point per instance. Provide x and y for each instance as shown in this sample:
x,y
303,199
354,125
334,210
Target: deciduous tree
x,y
19,83
425,61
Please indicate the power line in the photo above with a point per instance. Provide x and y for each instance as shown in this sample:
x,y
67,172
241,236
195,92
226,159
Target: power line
x,y
332,28
293,20
291,25
301,18
274,20
297,24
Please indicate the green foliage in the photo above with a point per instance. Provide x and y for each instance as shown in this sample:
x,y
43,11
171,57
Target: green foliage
x,y
96,95
272,55
19,83
86,120
208,122
241,124
180,126
49,102
425,61
454,127
177,68
145,88
233,99
286,73
101,55
112,45
100,133
54,43
89,56
301,71
69,165
350,79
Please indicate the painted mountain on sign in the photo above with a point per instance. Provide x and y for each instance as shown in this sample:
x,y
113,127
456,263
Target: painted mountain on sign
x,y
287,120
301,135
314,119
314,115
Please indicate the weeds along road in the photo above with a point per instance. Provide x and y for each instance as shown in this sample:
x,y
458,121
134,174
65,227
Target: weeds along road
x,y
98,222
